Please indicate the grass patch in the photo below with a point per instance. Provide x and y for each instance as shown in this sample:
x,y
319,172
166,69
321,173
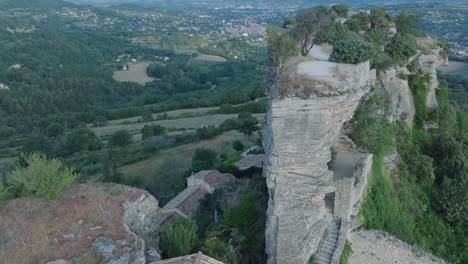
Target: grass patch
x,y
347,251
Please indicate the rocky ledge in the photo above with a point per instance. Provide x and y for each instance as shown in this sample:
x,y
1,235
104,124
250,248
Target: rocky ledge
x,y
88,223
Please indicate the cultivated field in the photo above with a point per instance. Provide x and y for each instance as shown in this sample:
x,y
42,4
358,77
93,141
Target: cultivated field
x,y
206,59
455,68
189,123
135,73
170,114
220,144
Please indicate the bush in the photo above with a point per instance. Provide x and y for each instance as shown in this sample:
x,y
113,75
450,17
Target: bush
x,y
179,238
121,138
237,145
46,178
204,159
351,51
208,132
6,132
402,47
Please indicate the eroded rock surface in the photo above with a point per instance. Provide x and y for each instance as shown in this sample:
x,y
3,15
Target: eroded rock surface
x,y
88,223
431,58
302,125
377,247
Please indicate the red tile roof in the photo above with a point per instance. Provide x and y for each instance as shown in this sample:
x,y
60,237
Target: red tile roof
x,y
184,204
215,178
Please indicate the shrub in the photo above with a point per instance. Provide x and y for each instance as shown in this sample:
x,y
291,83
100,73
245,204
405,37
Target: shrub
x,y
402,47
351,51
208,132
6,132
179,238
121,138
204,159
237,145
341,10
46,178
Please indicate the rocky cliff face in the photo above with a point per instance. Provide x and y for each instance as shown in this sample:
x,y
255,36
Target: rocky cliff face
x,y
88,223
303,121
429,60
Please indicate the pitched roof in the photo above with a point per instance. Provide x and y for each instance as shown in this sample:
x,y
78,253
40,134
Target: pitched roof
x,y
215,178
185,203
198,258
251,161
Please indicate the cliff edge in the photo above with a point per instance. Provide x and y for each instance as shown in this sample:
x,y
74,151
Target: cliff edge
x,y
88,223
306,112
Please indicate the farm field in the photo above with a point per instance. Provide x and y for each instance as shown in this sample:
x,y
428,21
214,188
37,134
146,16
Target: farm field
x,y
170,114
455,68
220,144
189,123
135,73
206,59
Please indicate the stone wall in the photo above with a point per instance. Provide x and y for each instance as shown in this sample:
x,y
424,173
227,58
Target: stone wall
x,y
297,141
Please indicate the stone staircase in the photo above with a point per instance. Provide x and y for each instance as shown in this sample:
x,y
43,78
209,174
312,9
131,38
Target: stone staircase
x,y
328,244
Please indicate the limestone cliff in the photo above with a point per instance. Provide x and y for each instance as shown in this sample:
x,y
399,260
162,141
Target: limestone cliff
x,y
88,223
431,57
306,112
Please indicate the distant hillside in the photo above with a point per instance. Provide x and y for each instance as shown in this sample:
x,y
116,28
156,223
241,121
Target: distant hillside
x,y
32,3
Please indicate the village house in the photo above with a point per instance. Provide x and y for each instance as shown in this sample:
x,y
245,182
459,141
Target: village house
x,y
185,204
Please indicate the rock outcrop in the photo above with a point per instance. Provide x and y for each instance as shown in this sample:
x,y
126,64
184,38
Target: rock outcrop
x,y
306,112
377,247
400,103
431,58
88,223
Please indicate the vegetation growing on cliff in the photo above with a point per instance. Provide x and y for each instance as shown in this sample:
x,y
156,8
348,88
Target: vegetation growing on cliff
x,y
423,199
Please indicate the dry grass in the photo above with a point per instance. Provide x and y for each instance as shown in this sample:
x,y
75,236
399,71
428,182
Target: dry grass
x,y
32,229
220,144
183,123
170,114
136,73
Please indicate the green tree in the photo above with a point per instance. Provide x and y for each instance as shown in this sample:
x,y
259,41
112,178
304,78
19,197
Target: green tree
x,y
237,145
204,159
179,238
408,23
280,46
121,138
288,21
248,123
54,130
341,10
81,139
310,23
42,176
452,200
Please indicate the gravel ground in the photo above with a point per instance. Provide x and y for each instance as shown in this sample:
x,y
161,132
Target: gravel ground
x,y
377,247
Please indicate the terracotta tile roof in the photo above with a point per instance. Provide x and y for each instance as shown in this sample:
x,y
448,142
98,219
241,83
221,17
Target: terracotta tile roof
x,y
251,161
184,204
198,258
215,178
